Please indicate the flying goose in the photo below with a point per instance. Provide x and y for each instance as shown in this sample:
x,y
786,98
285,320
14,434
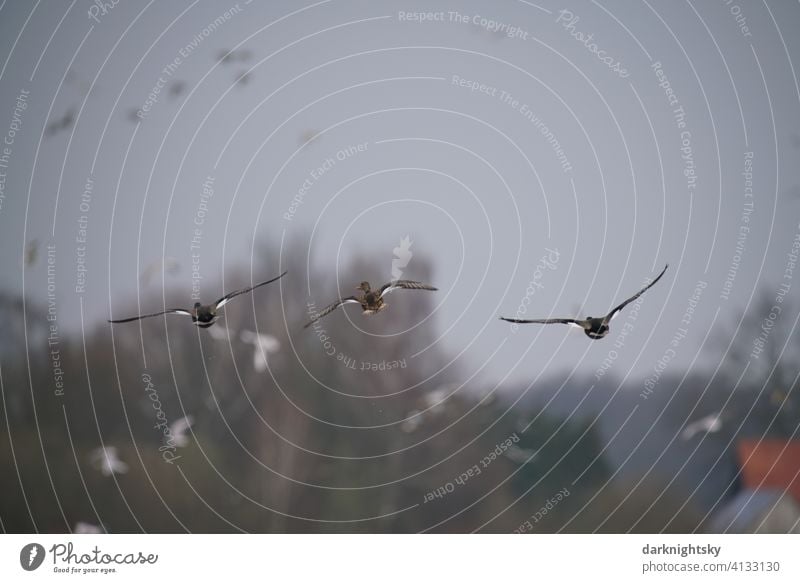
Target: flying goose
x,y
107,461
371,301
87,528
263,344
595,328
178,430
63,123
520,455
708,424
202,315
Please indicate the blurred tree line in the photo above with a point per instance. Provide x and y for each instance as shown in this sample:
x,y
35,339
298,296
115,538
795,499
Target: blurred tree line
x,y
310,444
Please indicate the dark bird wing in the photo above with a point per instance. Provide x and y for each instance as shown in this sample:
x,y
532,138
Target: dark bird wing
x,y
616,310
225,299
405,284
572,322
180,311
332,307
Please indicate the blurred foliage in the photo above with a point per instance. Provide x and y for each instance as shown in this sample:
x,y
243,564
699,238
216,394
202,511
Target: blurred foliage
x,y
312,445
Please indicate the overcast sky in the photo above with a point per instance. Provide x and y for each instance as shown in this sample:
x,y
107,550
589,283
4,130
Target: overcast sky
x,y
503,140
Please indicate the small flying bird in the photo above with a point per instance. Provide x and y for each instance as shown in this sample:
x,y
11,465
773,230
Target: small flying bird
x,y
437,397
402,255
168,265
176,88
520,455
72,78
308,136
63,123
595,328
202,315
86,528
133,115
220,333
107,461
178,430
371,300
708,424
240,55
263,345
31,252
412,422
243,78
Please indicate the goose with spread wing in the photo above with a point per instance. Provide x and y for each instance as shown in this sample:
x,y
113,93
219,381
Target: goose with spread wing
x,y
202,315
595,328
371,301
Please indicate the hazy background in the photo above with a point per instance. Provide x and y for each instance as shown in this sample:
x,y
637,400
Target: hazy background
x,y
482,194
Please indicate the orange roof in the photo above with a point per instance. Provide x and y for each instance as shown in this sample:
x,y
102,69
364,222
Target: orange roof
x,y
770,463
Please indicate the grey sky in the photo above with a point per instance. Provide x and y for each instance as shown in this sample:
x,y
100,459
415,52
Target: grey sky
x,y
556,151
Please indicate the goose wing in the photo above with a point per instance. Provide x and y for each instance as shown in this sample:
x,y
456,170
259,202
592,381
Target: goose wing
x,y
405,284
571,321
180,311
332,307
226,298
634,297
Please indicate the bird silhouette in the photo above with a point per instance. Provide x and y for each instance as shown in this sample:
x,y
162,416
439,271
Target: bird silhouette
x,y
263,344
708,424
106,459
168,265
595,328
402,255
371,301
178,430
521,455
202,315
63,123
31,252
86,528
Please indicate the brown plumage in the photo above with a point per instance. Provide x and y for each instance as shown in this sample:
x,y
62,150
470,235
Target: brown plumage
x,y
371,301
